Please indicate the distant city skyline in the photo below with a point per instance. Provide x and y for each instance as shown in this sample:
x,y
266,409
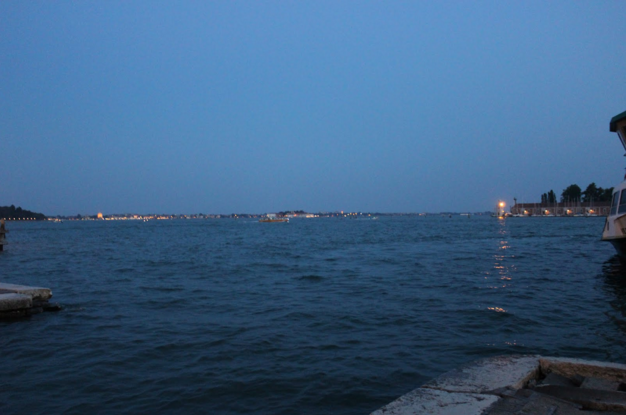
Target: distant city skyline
x,y
322,106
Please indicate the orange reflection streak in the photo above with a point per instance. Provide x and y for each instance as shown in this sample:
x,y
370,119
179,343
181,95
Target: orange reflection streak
x,y
497,309
502,267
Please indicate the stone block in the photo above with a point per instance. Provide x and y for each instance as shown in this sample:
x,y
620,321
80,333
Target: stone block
x,y
507,405
12,302
37,293
600,384
51,307
539,404
589,399
436,402
554,379
570,367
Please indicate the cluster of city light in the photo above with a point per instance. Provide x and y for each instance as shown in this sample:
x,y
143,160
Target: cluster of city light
x,y
123,218
100,216
140,217
345,215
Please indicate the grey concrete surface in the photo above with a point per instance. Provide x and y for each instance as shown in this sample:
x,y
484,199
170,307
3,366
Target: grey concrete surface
x,y
488,374
36,293
17,301
518,385
436,402
12,302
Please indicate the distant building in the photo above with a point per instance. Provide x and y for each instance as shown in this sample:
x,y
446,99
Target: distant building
x,y
562,209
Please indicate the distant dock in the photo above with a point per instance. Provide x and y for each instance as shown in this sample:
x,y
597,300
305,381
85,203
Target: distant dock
x,y
23,301
562,209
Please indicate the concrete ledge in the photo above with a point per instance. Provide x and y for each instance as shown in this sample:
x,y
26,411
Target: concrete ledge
x,y
12,302
36,293
513,385
430,401
488,374
18,301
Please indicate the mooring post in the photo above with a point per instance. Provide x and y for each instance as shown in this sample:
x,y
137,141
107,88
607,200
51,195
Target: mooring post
x,y
3,236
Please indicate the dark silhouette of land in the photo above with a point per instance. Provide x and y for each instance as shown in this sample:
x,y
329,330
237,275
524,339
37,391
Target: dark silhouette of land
x,y
17,213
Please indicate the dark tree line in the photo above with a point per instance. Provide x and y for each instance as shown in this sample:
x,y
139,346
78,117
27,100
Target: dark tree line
x,y
12,212
287,212
592,193
549,197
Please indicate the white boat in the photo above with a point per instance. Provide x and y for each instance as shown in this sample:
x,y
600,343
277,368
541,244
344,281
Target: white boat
x,y
615,224
271,217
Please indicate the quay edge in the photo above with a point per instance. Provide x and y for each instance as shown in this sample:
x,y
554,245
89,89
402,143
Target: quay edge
x,y
508,385
22,301
37,293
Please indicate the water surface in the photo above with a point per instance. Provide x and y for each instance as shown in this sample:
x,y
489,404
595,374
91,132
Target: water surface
x,y
317,316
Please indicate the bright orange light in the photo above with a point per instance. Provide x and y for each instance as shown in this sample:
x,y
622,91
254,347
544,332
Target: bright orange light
x,y
501,204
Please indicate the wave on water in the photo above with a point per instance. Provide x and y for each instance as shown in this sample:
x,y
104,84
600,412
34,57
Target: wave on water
x,y
313,316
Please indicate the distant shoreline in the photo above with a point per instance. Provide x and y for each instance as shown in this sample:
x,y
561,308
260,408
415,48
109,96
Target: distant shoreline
x,y
259,216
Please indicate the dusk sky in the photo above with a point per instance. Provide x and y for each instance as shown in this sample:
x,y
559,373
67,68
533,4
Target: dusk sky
x,y
262,106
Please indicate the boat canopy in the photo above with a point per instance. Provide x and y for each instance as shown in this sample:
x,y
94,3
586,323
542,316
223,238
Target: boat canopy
x,y
616,119
618,124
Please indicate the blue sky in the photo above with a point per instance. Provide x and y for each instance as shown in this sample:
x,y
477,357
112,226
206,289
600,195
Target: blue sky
x,y
260,106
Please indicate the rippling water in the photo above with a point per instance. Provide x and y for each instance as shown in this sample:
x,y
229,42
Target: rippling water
x,y
317,316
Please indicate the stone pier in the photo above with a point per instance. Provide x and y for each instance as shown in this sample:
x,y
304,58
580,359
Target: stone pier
x,y
23,301
516,385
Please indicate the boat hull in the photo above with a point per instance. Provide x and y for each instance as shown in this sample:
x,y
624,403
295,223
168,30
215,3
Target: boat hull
x,y
615,232
619,245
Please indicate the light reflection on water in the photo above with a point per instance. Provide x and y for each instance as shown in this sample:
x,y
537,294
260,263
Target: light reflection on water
x,y
501,257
